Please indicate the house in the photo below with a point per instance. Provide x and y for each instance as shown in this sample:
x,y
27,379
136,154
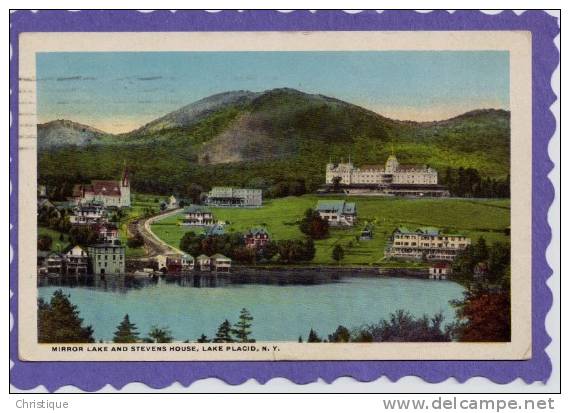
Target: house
x,y
215,230
54,263
88,213
337,212
161,262
174,264
440,271
107,258
425,243
481,270
76,261
256,238
187,262
110,193
366,234
108,232
197,215
203,262
42,262
172,203
220,263
222,196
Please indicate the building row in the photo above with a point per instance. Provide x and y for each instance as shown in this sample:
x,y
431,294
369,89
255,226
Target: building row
x,y
103,258
183,263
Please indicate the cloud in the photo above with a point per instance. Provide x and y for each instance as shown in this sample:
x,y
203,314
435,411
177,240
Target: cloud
x,y
147,78
71,78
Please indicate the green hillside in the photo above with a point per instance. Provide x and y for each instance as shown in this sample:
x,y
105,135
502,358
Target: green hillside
x,y
281,135
474,218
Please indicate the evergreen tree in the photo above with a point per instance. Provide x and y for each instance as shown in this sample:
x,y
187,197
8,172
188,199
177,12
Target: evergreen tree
x,y
481,252
338,253
159,335
59,321
314,337
203,339
341,335
126,332
300,339
223,335
242,329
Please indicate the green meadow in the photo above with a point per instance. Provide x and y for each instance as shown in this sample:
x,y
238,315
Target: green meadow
x,y
472,217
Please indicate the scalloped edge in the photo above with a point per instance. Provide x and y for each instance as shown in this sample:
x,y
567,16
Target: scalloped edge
x,y
158,375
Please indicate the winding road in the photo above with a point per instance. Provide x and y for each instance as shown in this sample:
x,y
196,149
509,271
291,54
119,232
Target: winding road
x,y
153,245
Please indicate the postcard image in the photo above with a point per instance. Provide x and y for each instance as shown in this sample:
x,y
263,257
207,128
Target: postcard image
x,y
275,196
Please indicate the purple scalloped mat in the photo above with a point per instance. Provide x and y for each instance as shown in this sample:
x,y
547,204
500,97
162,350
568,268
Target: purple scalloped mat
x,y
91,376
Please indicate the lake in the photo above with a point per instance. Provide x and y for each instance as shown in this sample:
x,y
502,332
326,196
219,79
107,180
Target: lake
x,y
192,305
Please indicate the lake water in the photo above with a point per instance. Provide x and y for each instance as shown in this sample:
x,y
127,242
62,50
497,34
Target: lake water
x,y
193,305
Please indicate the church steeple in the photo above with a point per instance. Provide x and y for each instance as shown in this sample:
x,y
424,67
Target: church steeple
x,y
125,180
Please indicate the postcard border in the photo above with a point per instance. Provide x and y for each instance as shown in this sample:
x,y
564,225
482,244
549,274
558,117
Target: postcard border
x,y
94,375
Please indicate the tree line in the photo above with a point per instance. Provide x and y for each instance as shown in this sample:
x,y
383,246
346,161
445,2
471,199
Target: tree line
x,y
469,183
59,321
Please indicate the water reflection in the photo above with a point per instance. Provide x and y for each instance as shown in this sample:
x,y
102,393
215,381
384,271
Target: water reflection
x,y
124,283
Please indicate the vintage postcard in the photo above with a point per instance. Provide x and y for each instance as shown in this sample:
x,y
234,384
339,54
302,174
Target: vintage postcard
x,y
276,195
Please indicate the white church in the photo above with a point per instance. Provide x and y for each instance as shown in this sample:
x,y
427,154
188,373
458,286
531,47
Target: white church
x,y
108,193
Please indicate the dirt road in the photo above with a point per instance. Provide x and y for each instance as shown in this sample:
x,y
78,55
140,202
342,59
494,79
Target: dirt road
x,y
153,245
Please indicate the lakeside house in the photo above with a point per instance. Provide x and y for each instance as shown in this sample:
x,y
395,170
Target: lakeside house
x,y
425,243
256,238
187,262
222,196
203,262
88,213
198,216
107,258
109,193
76,261
53,263
220,263
440,271
337,212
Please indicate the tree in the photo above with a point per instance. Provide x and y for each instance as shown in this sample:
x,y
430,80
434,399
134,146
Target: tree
x,y
126,332
44,242
338,253
313,225
341,335
203,339
159,335
314,337
242,329
480,251
59,321
135,242
336,183
483,316
223,335
403,327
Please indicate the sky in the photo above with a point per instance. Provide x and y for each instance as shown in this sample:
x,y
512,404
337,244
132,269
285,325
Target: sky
x,y
120,91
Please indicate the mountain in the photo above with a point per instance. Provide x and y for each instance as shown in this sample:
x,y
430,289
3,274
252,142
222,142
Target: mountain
x,y
65,132
193,113
261,139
